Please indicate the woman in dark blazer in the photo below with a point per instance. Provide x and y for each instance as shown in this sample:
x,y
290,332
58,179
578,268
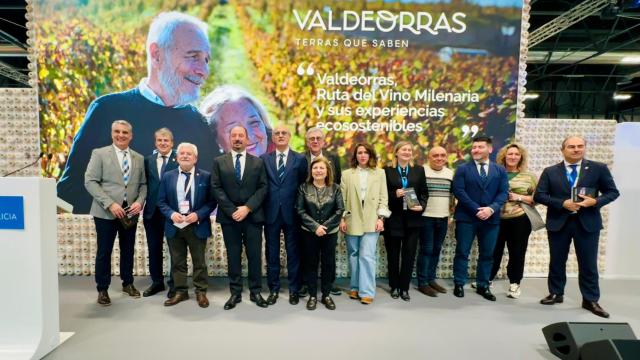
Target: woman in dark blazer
x,y
320,206
402,229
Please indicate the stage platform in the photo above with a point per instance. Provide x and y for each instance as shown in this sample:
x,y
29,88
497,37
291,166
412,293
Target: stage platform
x,y
424,328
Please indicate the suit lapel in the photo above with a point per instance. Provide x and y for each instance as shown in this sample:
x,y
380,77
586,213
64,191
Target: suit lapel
x,y
114,159
194,187
584,169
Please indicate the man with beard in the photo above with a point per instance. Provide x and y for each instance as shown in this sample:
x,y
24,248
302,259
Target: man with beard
x,y
177,65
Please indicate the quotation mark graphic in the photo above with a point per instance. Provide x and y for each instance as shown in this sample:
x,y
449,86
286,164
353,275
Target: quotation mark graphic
x,y
466,130
309,71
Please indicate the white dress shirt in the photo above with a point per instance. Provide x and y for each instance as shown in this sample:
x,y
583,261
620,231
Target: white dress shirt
x,y
159,162
243,160
486,167
120,155
286,155
567,168
181,183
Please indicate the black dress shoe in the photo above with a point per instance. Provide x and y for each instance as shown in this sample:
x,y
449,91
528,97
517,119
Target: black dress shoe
x,y
404,295
595,308
179,297
552,299
335,291
103,298
272,298
233,300
328,302
395,293
294,299
485,292
131,291
304,291
312,303
259,300
458,290
171,293
153,289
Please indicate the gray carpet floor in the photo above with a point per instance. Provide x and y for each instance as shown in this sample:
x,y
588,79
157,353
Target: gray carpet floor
x,y
424,328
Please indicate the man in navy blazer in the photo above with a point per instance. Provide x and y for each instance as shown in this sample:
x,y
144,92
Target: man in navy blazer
x,y
162,160
286,170
579,220
186,201
481,188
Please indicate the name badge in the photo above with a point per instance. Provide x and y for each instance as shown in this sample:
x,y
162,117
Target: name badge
x,y
184,207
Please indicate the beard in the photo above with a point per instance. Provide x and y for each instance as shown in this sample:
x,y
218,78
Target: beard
x,y
170,82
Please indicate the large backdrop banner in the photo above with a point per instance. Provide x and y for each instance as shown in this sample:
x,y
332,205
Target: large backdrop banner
x,y
432,72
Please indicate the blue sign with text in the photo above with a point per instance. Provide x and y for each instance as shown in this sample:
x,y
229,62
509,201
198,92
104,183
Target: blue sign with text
x,y
11,212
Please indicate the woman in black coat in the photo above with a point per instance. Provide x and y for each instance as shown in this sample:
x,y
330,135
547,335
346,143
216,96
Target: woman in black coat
x,y
402,229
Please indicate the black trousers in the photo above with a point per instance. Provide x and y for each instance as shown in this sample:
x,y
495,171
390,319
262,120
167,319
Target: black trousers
x,y
154,229
322,250
514,233
186,239
235,236
106,231
401,255
586,245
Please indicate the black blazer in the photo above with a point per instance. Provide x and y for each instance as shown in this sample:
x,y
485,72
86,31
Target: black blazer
x,y
554,188
400,219
333,160
153,180
231,193
281,197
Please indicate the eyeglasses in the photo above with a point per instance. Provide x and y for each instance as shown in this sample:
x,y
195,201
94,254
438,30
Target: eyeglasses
x,y
281,133
315,138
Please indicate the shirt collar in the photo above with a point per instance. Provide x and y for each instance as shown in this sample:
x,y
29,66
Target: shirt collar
x,y
150,95
285,152
566,164
478,162
118,150
190,171
234,154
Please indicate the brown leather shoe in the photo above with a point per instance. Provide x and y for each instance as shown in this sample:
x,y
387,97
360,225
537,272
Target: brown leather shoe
x,y
437,287
595,308
428,290
353,294
552,299
178,297
131,291
201,297
103,298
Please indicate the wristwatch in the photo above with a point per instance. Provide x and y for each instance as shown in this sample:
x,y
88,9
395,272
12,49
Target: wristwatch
x,y
519,198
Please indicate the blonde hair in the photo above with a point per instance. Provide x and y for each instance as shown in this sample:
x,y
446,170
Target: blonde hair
x,y
524,156
397,147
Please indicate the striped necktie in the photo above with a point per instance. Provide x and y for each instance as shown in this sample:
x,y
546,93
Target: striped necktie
x,y
125,171
281,166
483,172
238,168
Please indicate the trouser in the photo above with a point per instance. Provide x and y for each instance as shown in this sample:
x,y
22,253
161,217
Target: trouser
x,y
272,250
186,239
322,250
154,230
235,236
487,236
401,255
362,262
432,235
106,231
514,233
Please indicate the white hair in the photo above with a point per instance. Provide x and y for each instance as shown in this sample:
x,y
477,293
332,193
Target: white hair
x,y
188,145
122,122
213,103
314,129
163,27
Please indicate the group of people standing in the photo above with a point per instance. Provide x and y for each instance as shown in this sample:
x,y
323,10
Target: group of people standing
x,y
307,197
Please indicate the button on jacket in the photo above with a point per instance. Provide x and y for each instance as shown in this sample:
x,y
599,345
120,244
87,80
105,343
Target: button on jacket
x,y
320,206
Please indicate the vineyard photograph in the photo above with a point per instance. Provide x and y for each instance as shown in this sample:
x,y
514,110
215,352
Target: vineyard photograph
x,y
89,48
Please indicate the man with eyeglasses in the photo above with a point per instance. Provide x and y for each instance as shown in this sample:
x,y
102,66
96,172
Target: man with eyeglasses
x,y
286,170
314,141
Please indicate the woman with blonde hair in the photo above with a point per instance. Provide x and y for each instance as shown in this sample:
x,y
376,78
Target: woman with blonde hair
x,y
364,189
408,193
515,226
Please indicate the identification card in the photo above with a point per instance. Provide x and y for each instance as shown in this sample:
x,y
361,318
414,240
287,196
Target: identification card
x,y
183,207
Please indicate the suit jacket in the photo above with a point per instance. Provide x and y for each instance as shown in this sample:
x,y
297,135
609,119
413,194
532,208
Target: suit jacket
x,y
281,195
231,193
554,188
400,218
153,180
472,193
361,219
333,160
320,207
203,201
104,180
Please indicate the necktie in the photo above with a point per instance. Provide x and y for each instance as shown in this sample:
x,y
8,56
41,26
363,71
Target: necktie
x,y
238,169
187,196
281,166
573,175
164,165
125,172
483,172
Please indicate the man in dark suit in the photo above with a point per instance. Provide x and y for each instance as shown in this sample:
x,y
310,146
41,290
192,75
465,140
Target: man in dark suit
x,y
185,199
155,165
239,184
579,220
115,179
314,141
286,170
481,188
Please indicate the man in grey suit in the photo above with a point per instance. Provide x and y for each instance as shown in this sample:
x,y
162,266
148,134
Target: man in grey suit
x,y
116,181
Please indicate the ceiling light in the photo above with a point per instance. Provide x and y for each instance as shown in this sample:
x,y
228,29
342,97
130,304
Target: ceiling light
x,y
621,96
531,96
633,59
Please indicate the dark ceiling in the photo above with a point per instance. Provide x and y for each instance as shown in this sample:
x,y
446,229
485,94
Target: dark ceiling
x,y
575,71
